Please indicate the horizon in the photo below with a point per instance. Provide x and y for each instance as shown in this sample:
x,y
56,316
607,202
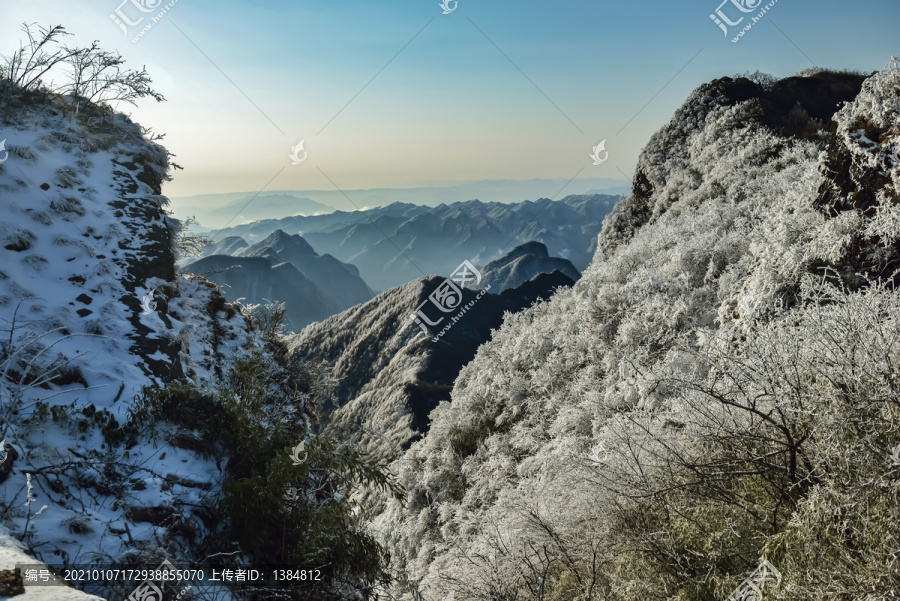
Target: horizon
x,y
215,212
411,187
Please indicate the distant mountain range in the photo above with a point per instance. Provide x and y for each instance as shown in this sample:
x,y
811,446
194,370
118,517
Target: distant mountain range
x,y
263,206
398,243
215,210
285,268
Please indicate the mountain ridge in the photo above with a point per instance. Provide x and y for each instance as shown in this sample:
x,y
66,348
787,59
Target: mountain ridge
x,y
623,430
522,264
312,288
448,192
392,374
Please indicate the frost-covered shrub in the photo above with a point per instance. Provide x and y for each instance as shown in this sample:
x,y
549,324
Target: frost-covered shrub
x,y
184,242
67,206
18,240
720,386
91,74
67,177
23,152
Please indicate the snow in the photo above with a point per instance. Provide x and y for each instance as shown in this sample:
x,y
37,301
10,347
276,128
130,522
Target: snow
x,y
12,553
66,301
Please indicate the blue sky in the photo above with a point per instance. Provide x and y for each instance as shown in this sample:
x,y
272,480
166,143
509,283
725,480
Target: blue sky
x,y
246,81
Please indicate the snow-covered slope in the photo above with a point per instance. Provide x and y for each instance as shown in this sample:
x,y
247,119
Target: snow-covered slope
x,y
604,445
84,239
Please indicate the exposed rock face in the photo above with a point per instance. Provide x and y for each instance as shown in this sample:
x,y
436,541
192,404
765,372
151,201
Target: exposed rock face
x,y
147,247
11,583
862,182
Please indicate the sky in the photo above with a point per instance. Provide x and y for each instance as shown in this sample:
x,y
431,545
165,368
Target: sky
x,y
397,94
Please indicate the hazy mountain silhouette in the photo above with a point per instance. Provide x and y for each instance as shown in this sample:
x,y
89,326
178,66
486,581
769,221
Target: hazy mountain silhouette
x,y
285,268
398,243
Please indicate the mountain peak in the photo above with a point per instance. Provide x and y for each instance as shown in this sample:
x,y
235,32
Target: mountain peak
x,y
522,264
535,248
280,241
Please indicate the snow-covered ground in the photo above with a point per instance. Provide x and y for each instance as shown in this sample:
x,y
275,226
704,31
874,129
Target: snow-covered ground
x,y
12,553
83,240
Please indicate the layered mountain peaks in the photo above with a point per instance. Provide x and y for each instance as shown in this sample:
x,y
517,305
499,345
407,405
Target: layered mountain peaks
x,y
400,242
283,267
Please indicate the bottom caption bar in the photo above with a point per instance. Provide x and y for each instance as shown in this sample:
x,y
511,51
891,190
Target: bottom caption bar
x,y
151,581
